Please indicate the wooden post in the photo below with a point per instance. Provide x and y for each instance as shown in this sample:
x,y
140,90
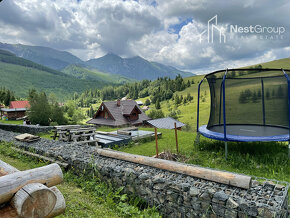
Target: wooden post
x,y
156,140
176,139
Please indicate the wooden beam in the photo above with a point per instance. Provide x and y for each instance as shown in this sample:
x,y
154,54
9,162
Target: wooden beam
x,y
41,157
49,175
241,181
176,139
156,142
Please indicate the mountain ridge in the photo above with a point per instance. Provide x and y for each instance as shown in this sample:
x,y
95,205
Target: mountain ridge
x,y
135,67
21,75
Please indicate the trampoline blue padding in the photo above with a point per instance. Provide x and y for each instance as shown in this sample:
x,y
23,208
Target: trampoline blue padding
x,y
245,133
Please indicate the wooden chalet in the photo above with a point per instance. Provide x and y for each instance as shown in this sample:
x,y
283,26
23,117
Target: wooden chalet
x,y
119,113
17,109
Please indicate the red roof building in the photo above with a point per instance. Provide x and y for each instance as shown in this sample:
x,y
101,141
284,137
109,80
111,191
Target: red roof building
x,y
19,104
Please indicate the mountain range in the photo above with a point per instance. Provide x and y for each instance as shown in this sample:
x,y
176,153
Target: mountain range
x,y
136,68
21,75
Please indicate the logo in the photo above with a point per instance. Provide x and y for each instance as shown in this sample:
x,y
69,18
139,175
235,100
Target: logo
x,y
217,33
213,29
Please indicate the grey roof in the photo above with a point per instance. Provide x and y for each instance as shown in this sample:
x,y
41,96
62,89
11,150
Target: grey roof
x,y
13,109
165,123
127,109
118,112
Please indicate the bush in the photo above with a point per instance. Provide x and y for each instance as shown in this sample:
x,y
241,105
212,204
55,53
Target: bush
x,y
155,114
157,105
173,114
147,102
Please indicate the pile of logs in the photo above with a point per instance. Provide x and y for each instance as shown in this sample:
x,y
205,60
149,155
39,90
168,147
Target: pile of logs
x,y
30,193
76,134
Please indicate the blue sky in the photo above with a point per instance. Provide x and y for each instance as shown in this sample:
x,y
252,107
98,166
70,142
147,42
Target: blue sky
x,y
170,32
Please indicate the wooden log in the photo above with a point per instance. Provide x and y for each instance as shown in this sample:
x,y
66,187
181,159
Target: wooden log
x,y
49,175
6,169
59,207
228,178
9,211
34,200
41,157
122,132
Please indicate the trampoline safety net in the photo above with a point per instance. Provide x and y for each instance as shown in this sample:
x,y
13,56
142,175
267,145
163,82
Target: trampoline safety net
x,y
252,97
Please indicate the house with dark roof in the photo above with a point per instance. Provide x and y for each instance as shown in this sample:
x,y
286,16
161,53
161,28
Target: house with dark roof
x,y
119,113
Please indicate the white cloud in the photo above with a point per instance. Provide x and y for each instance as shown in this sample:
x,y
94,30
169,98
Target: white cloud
x,y
90,29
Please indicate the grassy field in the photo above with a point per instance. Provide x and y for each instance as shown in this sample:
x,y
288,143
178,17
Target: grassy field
x,y
86,196
188,111
262,159
259,159
19,122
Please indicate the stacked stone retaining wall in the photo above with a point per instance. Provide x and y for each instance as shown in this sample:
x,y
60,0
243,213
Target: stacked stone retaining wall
x,y
32,129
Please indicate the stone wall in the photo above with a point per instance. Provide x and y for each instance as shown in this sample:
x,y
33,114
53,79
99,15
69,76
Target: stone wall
x,y
32,129
175,195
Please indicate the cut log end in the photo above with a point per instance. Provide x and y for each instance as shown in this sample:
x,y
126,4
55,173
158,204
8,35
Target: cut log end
x,y
34,200
60,205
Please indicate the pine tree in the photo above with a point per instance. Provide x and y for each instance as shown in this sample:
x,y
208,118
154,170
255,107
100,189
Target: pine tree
x,y
40,110
147,102
57,115
176,100
157,105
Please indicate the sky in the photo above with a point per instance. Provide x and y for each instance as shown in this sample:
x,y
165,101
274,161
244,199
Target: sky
x,y
172,32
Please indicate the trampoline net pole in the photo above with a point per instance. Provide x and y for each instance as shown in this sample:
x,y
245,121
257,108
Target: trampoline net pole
x,y
263,102
224,105
288,81
198,98
226,150
197,139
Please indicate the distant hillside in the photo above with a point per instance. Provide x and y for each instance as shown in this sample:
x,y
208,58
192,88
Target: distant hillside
x,y
21,75
95,75
136,67
49,57
280,63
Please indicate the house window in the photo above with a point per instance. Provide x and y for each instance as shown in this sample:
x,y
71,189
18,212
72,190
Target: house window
x,y
106,115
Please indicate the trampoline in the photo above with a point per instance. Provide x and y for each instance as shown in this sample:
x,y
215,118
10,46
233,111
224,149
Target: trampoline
x,y
247,105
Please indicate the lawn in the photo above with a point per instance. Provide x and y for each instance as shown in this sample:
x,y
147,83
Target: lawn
x,y
263,159
254,158
86,196
18,122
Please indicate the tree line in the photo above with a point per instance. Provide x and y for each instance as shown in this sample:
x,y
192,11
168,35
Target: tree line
x,y
159,90
46,110
256,95
6,96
